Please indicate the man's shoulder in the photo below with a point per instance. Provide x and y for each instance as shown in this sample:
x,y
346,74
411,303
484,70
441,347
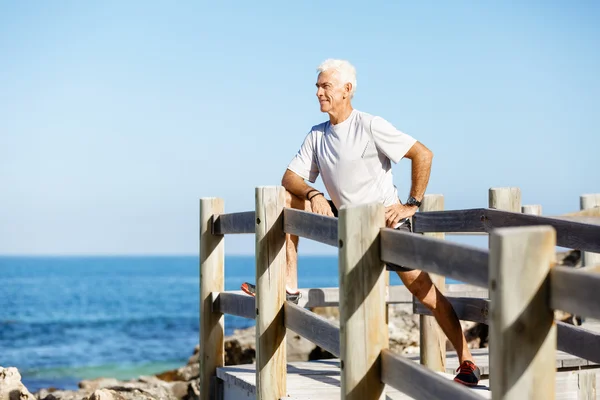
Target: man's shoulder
x,y
319,128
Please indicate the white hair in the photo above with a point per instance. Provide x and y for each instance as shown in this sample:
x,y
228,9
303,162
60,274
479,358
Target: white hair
x,y
346,72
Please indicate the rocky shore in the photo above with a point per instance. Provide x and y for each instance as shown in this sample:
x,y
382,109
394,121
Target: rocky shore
x,y
182,383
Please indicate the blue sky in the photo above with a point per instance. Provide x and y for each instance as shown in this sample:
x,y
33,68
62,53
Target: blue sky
x,y
117,117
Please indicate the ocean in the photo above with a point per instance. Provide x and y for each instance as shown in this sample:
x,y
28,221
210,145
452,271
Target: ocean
x,y
64,319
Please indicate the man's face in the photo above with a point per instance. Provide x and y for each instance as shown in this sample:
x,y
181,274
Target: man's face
x,y
330,92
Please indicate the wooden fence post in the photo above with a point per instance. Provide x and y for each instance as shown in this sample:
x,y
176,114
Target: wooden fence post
x,y
271,358
432,344
363,328
506,199
212,260
522,328
532,209
590,201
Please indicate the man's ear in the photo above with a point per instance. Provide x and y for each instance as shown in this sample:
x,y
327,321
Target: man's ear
x,y
347,89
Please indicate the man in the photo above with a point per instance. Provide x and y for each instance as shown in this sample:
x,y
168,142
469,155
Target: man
x,y
353,152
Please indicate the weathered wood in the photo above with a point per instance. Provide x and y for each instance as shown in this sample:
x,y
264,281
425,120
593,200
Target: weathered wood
x,y
238,304
569,234
451,221
313,327
212,273
505,198
590,202
419,382
312,226
270,294
532,209
466,308
522,329
578,341
586,212
456,261
575,291
432,340
363,328
587,386
570,339
240,222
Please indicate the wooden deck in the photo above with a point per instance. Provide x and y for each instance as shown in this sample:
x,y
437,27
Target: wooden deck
x,y
320,380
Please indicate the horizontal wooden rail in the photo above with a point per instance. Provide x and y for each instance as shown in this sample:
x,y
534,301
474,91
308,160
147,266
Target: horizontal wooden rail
x,y
577,292
241,222
466,221
418,381
241,305
578,341
571,234
313,327
312,226
456,261
574,340
575,235
467,308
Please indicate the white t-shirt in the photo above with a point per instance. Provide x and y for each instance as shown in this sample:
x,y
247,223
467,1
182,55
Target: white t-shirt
x,y
353,158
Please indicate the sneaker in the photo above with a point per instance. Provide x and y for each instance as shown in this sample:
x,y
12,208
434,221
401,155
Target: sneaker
x,y
250,289
468,374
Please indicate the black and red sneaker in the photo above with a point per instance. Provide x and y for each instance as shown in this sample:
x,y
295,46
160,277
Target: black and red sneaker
x,y
468,374
250,289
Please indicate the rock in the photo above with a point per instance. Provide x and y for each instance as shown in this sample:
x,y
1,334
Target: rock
x,y
99,383
102,394
63,395
11,387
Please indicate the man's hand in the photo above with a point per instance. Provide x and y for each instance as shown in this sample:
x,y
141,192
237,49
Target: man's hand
x,y
396,212
320,205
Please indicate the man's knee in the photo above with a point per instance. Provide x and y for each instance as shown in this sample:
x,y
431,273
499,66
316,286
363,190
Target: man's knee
x,y
420,285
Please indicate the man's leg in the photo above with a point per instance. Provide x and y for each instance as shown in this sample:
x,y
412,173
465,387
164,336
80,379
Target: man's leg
x,y
420,285
291,244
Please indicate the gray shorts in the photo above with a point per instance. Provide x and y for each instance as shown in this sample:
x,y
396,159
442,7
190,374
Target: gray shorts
x,y
406,226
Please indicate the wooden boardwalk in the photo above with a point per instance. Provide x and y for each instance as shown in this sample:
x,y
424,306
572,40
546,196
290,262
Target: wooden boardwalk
x,y
320,380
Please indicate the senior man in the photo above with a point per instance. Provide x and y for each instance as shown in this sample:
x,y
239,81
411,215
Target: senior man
x,y
353,152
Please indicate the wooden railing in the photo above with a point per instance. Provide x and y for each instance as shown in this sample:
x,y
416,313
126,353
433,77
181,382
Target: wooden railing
x,y
519,271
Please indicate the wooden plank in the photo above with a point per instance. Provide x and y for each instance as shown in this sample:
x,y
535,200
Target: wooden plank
x,y
578,341
432,340
418,381
570,234
465,221
270,294
238,304
575,291
313,327
522,329
505,198
363,327
240,222
456,261
466,308
592,211
532,209
312,226
587,386
571,339
212,273
591,202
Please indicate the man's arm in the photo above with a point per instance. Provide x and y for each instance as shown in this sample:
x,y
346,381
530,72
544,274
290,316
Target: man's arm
x,y
421,158
296,185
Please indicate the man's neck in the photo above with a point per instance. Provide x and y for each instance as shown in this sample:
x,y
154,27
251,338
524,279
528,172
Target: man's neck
x,y
338,116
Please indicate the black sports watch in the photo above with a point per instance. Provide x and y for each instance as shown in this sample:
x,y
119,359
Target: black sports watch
x,y
413,202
